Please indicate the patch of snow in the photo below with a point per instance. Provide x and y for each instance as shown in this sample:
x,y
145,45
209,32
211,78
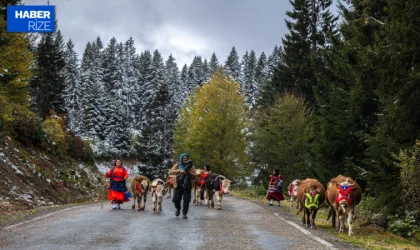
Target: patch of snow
x,y
6,70
1,154
17,170
17,150
48,180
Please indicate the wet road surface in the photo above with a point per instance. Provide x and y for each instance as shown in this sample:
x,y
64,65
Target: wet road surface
x,y
241,224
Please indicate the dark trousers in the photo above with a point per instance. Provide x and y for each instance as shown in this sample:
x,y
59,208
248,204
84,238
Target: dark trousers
x,y
180,193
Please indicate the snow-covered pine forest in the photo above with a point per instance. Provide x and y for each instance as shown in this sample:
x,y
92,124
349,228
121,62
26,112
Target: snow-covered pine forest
x,y
122,100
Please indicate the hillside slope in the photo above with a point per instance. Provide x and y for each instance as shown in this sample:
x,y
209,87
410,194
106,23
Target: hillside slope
x,y
31,178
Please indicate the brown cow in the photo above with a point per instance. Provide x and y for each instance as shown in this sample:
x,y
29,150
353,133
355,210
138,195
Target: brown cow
x,y
199,186
310,196
139,189
343,194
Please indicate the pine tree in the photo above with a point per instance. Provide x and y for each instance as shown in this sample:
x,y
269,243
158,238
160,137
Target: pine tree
x,y
110,66
213,64
250,84
195,74
153,147
72,92
273,61
206,71
172,78
232,66
307,35
261,73
94,95
48,84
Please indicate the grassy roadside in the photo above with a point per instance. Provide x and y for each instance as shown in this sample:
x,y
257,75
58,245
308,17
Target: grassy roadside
x,y
366,236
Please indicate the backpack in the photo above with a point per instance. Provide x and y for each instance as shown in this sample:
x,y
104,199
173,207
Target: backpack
x,y
184,181
279,184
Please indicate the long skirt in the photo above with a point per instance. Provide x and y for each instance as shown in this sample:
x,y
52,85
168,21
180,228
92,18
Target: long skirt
x,y
275,194
117,192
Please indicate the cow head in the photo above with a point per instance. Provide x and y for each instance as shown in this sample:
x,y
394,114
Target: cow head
x,y
293,189
225,185
144,185
344,196
160,190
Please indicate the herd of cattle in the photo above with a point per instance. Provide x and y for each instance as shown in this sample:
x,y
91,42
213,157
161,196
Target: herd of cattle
x,y
205,185
342,195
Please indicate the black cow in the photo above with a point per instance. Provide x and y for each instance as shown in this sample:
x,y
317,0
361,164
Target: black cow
x,y
218,184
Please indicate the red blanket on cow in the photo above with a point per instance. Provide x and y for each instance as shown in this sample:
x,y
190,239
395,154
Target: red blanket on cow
x,y
273,192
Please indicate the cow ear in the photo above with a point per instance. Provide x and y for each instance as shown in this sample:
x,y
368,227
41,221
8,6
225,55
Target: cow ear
x,y
318,190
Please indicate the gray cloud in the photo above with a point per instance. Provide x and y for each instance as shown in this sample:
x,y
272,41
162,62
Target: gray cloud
x,y
184,28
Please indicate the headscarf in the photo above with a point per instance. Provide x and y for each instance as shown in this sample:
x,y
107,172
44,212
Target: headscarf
x,y
181,165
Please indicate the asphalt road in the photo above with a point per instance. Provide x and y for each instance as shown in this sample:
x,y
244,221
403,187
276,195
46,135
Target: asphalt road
x,y
241,224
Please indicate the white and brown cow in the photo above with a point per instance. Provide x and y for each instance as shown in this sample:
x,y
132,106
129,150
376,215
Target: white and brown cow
x,y
293,191
216,184
343,194
139,189
199,186
159,189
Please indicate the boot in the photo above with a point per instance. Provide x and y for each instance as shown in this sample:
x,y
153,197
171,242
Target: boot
x,y
184,216
177,212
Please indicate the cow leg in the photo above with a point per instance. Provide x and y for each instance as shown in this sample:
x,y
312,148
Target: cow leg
x,y
350,221
341,217
334,215
313,216
206,197
134,204
200,194
219,200
144,201
195,197
139,202
159,204
169,192
304,216
154,201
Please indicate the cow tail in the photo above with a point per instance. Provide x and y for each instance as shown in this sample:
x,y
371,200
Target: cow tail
x,y
329,213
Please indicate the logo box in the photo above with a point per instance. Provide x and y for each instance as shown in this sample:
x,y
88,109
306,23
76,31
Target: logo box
x,y
30,18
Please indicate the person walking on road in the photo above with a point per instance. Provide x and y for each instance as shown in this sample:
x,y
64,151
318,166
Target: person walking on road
x,y
275,190
117,187
185,173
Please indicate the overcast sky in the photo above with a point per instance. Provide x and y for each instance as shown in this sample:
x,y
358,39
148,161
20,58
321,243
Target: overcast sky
x,y
184,28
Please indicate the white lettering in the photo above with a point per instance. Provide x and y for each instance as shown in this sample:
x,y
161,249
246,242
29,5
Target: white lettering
x,y
47,25
31,25
32,14
18,14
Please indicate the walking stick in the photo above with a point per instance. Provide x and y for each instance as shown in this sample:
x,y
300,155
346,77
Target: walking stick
x,y
102,194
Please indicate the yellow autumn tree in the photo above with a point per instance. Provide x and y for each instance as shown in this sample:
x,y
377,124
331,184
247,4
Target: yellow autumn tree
x,y
211,127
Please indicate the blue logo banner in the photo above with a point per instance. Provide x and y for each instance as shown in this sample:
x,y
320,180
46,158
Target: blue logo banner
x,y
30,18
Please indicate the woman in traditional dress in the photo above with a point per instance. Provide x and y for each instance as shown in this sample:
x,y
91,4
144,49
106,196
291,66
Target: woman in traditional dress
x,y
118,175
275,192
